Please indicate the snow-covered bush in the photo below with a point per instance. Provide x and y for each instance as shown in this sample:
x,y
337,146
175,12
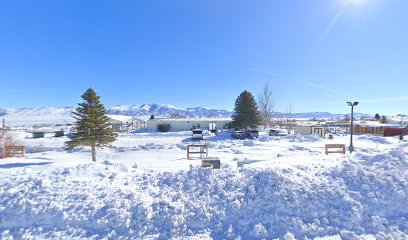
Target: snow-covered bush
x,y
163,127
7,139
260,231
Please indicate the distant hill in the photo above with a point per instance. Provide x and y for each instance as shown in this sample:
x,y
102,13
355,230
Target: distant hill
x,y
62,115
33,116
4,111
321,115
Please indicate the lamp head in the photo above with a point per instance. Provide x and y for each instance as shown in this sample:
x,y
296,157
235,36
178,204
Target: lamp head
x,y
352,104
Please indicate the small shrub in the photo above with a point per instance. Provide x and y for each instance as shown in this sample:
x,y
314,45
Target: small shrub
x,y
163,127
7,139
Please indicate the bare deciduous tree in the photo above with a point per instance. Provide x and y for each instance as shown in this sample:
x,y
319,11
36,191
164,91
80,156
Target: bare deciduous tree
x,y
266,104
7,138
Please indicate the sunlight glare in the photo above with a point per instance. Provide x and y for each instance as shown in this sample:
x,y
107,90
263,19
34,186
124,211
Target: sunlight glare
x,y
357,2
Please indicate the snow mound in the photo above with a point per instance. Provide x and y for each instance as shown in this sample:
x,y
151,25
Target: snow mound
x,y
375,139
366,195
264,138
303,138
248,143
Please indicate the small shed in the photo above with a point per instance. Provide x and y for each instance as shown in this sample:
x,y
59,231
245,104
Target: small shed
x,y
116,125
137,123
120,123
311,128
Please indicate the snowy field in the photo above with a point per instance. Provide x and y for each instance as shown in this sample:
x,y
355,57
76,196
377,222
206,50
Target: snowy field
x,y
146,188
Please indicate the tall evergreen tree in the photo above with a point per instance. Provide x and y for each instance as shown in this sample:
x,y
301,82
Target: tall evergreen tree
x,y
246,112
377,116
92,124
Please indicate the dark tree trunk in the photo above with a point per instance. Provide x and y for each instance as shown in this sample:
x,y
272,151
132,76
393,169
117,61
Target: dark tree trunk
x,y
93,153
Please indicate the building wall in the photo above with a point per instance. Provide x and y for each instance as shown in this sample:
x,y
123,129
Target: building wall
x,y
369,130
379,130
116,127
390,132
185,125
321,131
303,130
119,126
308,130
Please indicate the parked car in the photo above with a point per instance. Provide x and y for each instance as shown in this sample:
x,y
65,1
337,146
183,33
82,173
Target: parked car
x,y
197,135
274,132
238,135
251,133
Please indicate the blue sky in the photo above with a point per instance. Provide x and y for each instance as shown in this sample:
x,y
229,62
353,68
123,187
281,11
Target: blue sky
x,y
316,54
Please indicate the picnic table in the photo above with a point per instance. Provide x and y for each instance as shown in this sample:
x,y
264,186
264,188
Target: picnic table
x,y
201,149
12,151
335,148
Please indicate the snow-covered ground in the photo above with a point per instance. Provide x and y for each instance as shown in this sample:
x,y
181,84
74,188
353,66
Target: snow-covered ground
x,y
146,188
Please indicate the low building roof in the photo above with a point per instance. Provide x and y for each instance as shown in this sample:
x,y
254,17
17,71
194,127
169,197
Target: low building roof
x,y
193,119
134,119
311,124
120,118
375,124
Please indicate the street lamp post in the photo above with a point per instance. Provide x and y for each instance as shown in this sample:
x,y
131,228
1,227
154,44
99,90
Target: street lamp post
x,y
352,105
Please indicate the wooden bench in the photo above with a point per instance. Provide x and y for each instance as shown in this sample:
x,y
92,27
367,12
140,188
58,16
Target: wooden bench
x,y
212,162
338,148
13,151
201,149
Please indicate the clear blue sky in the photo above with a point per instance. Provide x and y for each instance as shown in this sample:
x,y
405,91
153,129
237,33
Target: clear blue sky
x,y
316,54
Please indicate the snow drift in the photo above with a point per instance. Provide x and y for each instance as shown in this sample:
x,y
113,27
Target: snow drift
x,y
365,196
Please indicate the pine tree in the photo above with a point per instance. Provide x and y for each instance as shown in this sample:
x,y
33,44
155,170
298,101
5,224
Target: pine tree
x,y
383,119
377,116
246,112
92,124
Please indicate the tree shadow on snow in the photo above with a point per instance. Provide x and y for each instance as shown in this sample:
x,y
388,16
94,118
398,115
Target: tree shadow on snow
x,y
17,165
39,158
211,138
193,141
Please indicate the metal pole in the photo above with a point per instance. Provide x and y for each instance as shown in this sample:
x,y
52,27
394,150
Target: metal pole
x,y
351,148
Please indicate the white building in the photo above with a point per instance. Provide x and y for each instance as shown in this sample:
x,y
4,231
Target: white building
x,y
121,123
398,120
190,123
310,128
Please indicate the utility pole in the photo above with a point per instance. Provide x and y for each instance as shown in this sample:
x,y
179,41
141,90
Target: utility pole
x,y
351,147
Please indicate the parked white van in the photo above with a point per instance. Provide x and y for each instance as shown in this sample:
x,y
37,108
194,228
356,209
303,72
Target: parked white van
x,y
197,134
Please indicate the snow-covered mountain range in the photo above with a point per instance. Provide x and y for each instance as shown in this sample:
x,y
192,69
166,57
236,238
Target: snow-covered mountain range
x,y
63,114
320,115
166,110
